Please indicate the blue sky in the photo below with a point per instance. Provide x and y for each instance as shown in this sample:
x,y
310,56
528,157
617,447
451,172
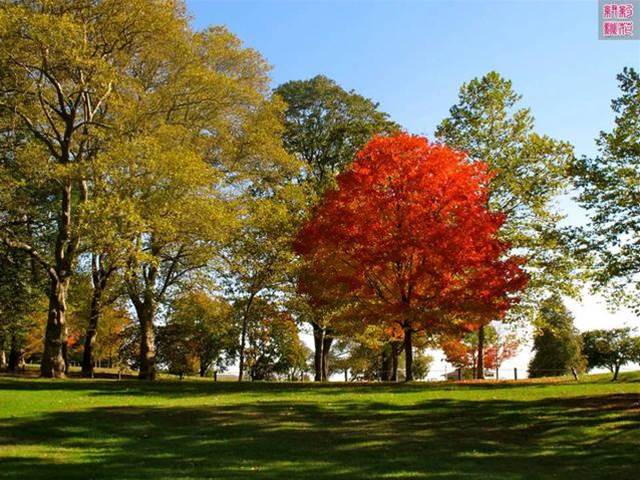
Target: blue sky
x,y
412,57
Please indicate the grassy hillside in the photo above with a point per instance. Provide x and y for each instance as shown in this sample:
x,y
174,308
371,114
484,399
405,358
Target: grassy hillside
x,y
93,429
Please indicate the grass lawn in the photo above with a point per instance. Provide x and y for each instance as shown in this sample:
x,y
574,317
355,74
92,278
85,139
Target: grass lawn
x,y
92,429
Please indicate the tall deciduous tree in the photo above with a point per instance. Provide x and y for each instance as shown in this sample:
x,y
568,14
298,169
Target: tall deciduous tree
x,y
175,224
325,127
66,68
258,260
407,233
530,171
206,138
609,187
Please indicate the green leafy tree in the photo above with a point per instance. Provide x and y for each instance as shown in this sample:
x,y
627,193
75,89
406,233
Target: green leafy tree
x,y
22,293
175,225
137,128
65,85
369,355
339,358
200,334
530,170
325,126
258,261
362,362
556,342
421,364
274,347
177,188
610,349
609,184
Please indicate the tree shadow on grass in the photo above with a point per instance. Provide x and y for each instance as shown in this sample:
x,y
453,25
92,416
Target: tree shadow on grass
x,y
580,437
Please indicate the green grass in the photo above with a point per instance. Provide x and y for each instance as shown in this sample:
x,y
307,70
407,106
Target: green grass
x,y
91,429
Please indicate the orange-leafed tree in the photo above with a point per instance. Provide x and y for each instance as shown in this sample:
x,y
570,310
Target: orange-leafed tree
x,y
407,234
462,350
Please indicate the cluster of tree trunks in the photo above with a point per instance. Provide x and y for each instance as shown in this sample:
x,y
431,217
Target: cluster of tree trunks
x,y
99,277
389,367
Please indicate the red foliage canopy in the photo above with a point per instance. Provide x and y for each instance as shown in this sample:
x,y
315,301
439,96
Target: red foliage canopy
x,y
462,352
407,233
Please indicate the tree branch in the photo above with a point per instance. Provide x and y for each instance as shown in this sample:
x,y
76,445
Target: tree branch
x,y
25,247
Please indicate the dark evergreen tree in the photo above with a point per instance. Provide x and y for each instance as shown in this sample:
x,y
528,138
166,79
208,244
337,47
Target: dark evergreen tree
x,y
557,343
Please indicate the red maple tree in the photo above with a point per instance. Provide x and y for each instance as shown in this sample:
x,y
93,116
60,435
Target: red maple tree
x,y
407,233
462,351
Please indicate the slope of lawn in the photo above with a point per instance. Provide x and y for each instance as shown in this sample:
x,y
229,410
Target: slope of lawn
x,y
91,429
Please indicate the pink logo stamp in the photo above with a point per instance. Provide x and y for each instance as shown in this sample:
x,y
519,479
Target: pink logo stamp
x,y
619,19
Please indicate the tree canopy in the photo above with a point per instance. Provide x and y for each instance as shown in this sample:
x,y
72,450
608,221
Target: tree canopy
x,y
529,172
608,189
407,234
326,125
611,349
557,344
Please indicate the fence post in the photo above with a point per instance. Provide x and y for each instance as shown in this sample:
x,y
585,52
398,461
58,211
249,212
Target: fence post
x,y
515,373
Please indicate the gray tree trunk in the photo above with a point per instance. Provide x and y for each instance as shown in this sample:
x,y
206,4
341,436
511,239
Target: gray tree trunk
x,y
53,358
99,277
408,354
318,334
396,348
53,362
480,363
243,336
326,347
147,342
385,367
